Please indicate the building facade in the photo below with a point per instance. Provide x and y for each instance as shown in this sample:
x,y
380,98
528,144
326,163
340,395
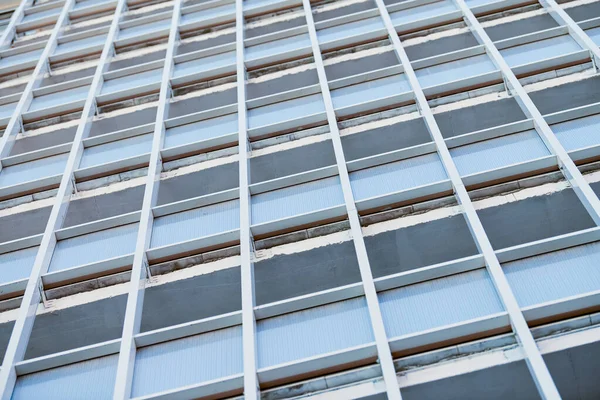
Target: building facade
x,y
291,199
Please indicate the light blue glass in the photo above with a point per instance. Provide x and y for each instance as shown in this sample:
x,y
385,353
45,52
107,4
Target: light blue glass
x,y
80,44
188,361
351,29
59,98
295,200
538,51
143,29
21,58
195,223
475,3
90,379
454,70
397,176
369,91
131,81
208,13
42,14
499,152
33,170
114,151
252,4
204,64
556,275
201,130
438,302
94,247
87,3
277,47
312,332
594,34
422,12
285,111
6,110
17,265
578,133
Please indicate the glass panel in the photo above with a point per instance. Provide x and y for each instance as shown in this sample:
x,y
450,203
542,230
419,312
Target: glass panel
x,y
369,91
537,51
91,379
17,265
131,81
207,14
438,302
351,29
94,247
455,70
80,44
33,170
422,12
252,4
277,47
188,361
6,110
295,200
201,130
397,176
594,34
59,98
578,133
312,332
204,64
114,151
553,276
21,58
143,29
196,223
285,111
87,3
42,14
499,152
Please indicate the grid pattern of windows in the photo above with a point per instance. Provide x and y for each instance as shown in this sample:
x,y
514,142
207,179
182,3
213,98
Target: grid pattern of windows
x,y
216,198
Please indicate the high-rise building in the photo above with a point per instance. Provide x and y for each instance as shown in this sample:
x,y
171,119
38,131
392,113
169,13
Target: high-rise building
x,y
269,199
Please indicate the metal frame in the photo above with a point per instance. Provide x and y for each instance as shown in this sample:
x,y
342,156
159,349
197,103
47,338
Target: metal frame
x,y
33,293
535,362
140,271
383,348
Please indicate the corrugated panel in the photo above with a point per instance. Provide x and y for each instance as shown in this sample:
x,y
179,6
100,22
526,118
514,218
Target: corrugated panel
x,y
285,110
17,264
130,81
80,44
20,58
351,29
115,151
143,29
277,47
202,130
91,379
93,247
196,223
438,302
400,175
204,64
498,152
369,91
188,361
553,276
208,13
295,200
579,133
33,170
59,98
6,110
537,51
594,34
426,11
313,332
455,70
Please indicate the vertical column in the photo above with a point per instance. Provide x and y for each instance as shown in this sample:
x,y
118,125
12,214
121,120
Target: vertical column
x,y
537,367
575,31
251,386
135,296
383,348
31,299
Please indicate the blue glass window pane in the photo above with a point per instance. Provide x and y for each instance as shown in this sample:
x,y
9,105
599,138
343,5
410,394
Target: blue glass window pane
x,y
114,151
455,70
17,265
285,111
369,91
537,51
351,29
33,170
201,130
422,12
578,133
